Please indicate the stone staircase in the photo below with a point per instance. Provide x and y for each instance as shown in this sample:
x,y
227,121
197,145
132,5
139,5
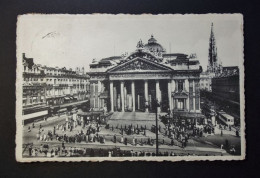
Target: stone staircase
x,y
134,116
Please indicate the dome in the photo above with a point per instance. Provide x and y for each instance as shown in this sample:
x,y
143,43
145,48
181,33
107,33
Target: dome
x,y
153,46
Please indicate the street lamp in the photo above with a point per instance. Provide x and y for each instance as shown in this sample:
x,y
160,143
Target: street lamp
x,y
157,104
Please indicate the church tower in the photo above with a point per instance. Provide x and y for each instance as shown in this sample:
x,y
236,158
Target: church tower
x,y
214,65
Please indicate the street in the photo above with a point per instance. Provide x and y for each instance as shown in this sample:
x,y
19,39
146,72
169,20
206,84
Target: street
x,y
195,146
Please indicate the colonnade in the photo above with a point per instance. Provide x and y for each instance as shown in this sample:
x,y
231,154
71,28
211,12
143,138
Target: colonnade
x,y
123,92
125,95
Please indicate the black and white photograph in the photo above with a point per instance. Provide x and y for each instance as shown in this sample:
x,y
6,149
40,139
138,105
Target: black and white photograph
x,y
106,87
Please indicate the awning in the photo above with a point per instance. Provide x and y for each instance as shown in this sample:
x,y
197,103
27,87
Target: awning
x,y
71,97
66,98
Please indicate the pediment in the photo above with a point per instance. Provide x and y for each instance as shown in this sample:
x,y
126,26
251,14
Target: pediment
x,y
139,65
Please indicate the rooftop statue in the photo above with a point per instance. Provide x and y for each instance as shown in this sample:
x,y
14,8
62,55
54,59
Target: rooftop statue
x,y
140,44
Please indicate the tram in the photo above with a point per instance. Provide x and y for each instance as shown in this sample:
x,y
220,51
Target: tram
x,y
225,118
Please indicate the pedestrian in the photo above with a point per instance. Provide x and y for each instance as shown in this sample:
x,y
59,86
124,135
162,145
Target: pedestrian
x,y
92,153
30,150
122,139
54,131
237,133
125,141
104,139
172,143
115,138
62,145
38,136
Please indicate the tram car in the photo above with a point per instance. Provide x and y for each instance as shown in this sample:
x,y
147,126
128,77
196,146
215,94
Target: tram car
x,y
225,118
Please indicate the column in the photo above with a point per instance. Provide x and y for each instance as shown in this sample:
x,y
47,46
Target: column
x,y
186,85
115,100
173,85
193,94
138,102
125,96
99,91
169,95
158,97
133,94
111,96
187,100
146,94
173,90
122,96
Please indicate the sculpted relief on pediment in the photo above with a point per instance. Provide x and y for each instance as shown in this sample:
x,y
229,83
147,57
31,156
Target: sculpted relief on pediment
x,y
138,65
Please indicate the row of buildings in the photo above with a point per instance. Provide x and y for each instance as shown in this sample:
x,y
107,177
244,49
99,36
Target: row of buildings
x,y
47,90
221,83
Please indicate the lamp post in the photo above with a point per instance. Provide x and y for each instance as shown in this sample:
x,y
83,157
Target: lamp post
x,y
157,104
169,112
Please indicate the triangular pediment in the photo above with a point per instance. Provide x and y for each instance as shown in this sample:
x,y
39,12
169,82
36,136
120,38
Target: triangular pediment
x,y
139,65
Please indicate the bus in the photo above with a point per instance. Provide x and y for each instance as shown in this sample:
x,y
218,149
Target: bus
x,y
226,118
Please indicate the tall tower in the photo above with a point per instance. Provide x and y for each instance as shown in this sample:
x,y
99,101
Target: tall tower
x,y
214,66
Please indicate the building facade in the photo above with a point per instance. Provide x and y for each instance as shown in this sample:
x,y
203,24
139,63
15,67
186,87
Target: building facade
x,y
226,89
206,81
48,87
226,84
134,82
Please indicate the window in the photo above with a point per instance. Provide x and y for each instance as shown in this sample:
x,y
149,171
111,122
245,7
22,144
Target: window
x,y
180,86
180,104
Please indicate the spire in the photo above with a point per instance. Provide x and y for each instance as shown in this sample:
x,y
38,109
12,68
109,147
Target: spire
x,y
213,57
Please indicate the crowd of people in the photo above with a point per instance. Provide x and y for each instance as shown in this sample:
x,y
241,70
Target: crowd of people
x,y
79,130
86,133
61,151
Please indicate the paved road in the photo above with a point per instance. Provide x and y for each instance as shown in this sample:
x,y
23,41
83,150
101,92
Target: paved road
x,y
193,146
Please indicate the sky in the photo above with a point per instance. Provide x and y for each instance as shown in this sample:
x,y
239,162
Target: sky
x,y
75,40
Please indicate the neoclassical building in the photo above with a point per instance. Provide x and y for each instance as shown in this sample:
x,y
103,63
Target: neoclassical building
x,y
133,82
